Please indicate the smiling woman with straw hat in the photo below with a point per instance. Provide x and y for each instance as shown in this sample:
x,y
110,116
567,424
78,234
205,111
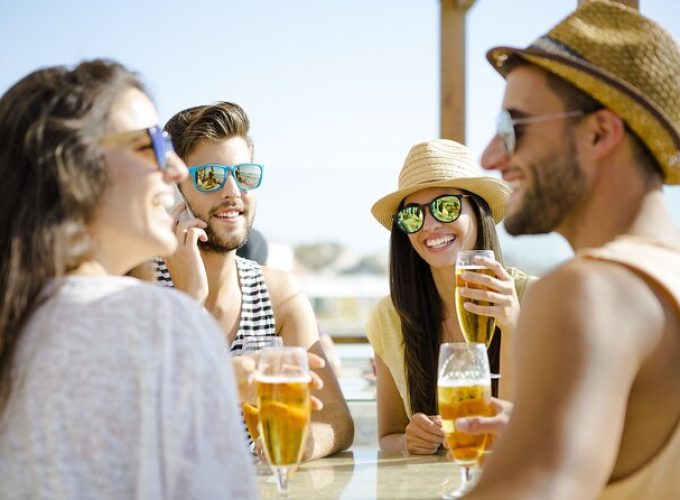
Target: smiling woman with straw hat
x,y
444,204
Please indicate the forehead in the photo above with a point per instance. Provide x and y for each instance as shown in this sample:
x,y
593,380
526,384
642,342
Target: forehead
x,y
227,152
132,110
427,195
527,90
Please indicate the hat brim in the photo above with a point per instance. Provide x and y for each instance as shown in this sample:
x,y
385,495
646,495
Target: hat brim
x,y
494,191
640,113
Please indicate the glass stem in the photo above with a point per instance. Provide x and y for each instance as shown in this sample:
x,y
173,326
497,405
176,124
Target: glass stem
x,y
467,474
282,480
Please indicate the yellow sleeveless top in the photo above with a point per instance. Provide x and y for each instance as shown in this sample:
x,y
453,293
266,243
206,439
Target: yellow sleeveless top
x,y
659,479
384,333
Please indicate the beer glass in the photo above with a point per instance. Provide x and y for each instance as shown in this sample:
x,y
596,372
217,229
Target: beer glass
x,y
475,327
283,390
463,390
251,415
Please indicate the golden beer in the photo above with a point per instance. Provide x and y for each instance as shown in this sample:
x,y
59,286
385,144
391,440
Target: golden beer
x,y
475,327
284,417
252,417
463,399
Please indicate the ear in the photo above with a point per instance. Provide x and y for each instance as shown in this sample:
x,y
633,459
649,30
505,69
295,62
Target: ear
x,y
606,132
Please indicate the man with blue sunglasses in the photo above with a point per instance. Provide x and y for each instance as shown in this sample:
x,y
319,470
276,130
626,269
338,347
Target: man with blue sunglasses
x,y
248,300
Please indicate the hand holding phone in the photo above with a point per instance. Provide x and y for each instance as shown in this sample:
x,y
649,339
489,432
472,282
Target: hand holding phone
x,y
187,213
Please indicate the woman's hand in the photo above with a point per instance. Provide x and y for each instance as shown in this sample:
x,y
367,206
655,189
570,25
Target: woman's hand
x,y
245,367
186,265
423,435
499,290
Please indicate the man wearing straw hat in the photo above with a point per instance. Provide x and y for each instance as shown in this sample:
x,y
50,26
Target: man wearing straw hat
x,y
589,132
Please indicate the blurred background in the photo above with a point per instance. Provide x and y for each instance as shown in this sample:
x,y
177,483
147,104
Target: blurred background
x,y
337,92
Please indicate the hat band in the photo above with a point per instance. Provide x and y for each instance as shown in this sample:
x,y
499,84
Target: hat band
x,y
555,47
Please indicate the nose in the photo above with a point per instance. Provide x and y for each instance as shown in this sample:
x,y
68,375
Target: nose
x,y
430,222
495,157
230,188
175,171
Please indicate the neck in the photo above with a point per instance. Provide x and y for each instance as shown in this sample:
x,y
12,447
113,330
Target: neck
x,y
620,202
445,281
222,275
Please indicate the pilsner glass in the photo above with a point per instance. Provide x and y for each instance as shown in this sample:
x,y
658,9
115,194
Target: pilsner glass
x,y
251,414
283,390
463,390
475,327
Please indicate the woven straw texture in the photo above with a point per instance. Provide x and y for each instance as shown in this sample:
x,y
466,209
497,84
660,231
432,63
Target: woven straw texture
x,y
442,163
625,61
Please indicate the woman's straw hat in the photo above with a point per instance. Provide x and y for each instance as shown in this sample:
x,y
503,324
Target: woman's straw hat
x,y
442,163
625,61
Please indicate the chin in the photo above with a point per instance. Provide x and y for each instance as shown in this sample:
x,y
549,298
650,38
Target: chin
x,y
165,245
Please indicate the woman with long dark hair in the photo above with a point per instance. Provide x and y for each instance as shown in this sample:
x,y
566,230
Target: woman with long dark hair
x,y
407,327
109,387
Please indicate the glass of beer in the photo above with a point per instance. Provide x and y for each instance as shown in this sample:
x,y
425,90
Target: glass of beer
x,y
463,390
475,327
283,390
251,414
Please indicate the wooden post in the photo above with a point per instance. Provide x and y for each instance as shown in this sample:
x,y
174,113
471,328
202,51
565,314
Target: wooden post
x,y
630,3
452,69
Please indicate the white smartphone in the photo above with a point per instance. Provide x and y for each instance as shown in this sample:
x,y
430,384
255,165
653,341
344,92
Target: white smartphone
x,y
187,213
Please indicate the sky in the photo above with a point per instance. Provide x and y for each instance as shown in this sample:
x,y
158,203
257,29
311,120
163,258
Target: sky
x,y
337,90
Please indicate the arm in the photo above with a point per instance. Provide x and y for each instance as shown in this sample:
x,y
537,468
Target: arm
x,y
422,435
580,352
332,428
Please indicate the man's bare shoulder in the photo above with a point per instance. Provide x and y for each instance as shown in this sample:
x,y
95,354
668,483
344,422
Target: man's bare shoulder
x,y
601,300
281,284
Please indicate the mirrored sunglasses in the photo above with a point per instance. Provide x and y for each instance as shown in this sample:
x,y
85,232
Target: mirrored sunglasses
x,y
506,125
212,177
446,208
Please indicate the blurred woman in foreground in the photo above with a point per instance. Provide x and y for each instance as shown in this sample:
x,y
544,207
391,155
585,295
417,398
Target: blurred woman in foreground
x,y
109,387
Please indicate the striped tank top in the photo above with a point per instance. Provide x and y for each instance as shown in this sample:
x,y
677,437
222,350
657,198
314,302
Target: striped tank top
x,y
257,316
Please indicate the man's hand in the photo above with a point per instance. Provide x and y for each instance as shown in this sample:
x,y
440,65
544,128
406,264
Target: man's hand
x,y
245,370
487,425
423,435
186,265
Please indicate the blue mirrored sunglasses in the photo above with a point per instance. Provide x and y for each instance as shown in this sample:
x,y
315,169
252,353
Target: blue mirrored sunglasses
x,y
211,177
162,145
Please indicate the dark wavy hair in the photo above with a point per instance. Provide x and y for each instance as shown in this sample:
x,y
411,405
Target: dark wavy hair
x,y
421,310
53,176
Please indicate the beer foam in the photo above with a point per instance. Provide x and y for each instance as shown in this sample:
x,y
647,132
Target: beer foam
x,y
473,267
466,382
280,379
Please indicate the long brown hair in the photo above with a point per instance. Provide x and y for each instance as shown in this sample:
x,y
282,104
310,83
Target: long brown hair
x,y
421,310
53,176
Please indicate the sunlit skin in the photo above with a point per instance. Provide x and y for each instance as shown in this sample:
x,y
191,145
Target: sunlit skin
x,y
131,223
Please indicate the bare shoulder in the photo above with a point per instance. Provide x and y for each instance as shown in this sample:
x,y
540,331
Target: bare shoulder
x,y
597,302
282,285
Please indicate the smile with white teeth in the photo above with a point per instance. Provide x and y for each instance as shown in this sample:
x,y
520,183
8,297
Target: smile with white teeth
x,y
231,214
440,242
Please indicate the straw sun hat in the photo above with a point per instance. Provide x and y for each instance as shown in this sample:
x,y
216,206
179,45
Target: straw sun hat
x,y
442,163
625,61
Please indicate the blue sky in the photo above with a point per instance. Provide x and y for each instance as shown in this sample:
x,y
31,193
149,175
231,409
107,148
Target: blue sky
x,y
337,91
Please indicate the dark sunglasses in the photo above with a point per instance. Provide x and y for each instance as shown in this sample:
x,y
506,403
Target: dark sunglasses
x,y
160,142
212,177
506,125
446,208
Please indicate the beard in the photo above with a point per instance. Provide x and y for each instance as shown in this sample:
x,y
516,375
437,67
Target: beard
x,y
558,186
225,243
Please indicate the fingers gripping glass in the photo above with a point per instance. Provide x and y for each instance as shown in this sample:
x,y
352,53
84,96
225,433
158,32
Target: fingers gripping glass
x,y
446,208
212,177
506,125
